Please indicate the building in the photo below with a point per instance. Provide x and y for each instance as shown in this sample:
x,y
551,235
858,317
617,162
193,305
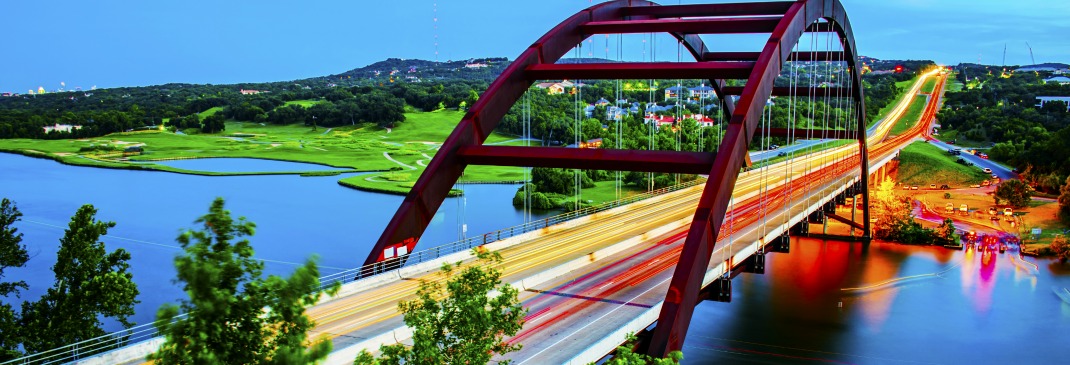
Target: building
x,y
250,92
554,88
591,143
702,92
691,93
659,121
674,92
702,120
475,65
61,128
1044,99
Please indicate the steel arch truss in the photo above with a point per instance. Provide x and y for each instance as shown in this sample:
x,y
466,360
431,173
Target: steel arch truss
x,y
785,21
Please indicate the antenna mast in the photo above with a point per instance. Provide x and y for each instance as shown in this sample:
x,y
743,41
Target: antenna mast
x,y
1031,53
1004,65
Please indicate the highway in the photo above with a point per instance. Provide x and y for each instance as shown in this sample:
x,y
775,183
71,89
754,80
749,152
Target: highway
x,y
1001,171
572,311
623,280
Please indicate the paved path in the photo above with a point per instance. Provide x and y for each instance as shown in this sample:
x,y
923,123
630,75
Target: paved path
x,y
387,155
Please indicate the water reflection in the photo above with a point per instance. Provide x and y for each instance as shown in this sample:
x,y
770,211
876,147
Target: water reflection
x,y
917,305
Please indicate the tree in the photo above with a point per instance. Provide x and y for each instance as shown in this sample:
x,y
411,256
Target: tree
x,y
1061,248
214,123
459,322
945,233
625,356
12,254
1064,202
1014,192
91,283
226,321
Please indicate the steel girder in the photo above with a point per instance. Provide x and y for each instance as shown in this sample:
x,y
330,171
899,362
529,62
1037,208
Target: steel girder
x,y
786,21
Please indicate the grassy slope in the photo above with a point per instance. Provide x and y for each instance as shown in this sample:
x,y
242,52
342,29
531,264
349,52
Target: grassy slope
x,y
928,86
910,117
923,164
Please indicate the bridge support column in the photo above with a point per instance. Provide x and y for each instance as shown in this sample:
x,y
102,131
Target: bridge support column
x,y
719,290
755,264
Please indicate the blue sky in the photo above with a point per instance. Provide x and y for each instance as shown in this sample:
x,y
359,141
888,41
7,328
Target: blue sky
x,y
132,43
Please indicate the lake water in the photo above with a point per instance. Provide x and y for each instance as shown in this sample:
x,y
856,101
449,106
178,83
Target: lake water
x,y
981,308
296,217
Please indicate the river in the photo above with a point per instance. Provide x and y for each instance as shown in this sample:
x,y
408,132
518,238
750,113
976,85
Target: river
x,y
978,308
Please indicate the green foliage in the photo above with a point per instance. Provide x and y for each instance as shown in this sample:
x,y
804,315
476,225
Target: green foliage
x,y
1003,111
1064,202
625,356
945,233
560,181
214,123
234,316
12,254
458,322
895,222
1061,248
1014,193
91,284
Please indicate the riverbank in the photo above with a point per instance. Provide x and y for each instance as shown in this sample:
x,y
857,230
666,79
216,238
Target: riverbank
x,y
358,148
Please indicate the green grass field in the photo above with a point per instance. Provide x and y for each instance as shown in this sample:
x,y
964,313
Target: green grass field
x,y
929,85
409,146
910,117
906,84
209,112
305,103
923,164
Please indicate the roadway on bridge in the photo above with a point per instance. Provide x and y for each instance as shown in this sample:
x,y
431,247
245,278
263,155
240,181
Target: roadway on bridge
x,y
631,280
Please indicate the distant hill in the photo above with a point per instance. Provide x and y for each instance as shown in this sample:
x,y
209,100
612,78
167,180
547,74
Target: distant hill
x,y
413,70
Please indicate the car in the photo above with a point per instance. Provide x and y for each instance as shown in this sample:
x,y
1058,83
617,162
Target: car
x,y
915,187
781,154
1008,212
964,208
992,210
985,183
945,187
951,142
906,187
994,177
987,170
932,186
773,147
949,208
982,155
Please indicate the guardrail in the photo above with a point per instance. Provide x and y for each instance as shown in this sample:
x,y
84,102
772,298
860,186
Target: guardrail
x,y
94,346
144,332
467,244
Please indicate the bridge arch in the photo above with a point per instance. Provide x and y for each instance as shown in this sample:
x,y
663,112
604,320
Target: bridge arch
x,y
786,22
